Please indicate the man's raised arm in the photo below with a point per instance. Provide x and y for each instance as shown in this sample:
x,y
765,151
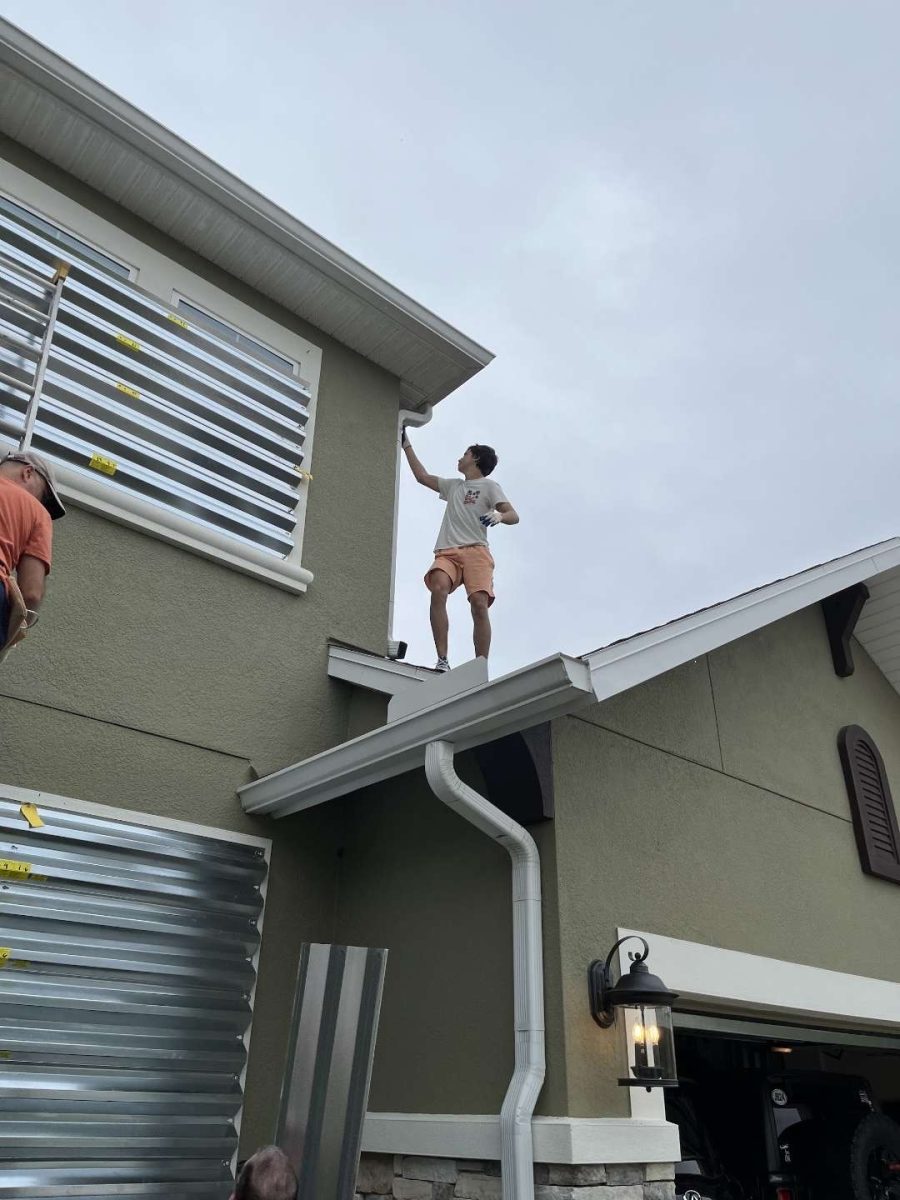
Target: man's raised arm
x,y
422,476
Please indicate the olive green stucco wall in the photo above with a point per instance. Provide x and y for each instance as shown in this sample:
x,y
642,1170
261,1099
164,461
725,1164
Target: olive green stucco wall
x,y
709,805
159,681
419,879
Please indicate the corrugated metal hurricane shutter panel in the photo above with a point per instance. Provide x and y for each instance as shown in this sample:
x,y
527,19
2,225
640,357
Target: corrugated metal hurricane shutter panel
x,y
167,409
128,966
326,1085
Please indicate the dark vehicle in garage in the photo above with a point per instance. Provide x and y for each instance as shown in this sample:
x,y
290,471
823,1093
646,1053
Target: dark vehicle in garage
x,y
806,1135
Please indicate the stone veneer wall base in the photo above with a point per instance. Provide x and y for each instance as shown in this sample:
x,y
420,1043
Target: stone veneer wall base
x,y
404,1177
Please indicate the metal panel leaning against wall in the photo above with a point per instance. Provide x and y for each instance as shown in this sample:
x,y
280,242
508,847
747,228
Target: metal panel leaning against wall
x,y
128,958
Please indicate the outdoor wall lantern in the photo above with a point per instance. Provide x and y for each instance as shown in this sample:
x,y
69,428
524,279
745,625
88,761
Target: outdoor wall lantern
x,y
643,1004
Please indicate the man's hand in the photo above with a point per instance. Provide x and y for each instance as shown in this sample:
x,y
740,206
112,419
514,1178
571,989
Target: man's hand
x,y
404,440
503,514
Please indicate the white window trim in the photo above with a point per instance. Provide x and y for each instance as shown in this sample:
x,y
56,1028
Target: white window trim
x,y
161,277
130,510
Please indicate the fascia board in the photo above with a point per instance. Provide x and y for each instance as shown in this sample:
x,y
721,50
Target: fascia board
x,y
616,668
375,674
515,701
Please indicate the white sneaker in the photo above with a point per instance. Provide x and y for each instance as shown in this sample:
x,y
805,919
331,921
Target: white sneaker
x,y
442,665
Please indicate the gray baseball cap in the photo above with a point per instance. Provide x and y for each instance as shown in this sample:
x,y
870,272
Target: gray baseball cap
x,y
52,502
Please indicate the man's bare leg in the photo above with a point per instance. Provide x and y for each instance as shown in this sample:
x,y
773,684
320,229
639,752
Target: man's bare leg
x,y
479,602
439,586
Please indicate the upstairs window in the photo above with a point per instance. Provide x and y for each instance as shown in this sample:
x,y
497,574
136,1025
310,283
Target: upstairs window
x,y
228,333
69,246
175,408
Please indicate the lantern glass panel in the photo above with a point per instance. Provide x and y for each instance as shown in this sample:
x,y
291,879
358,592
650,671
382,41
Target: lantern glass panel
x,y
651,1046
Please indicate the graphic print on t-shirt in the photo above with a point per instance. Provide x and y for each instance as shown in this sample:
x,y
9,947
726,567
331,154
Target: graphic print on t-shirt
x,y
467,500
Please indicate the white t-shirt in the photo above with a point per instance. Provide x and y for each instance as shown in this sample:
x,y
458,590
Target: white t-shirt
x,y
467,500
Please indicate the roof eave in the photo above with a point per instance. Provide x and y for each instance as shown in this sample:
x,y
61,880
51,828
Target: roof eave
x,y
516,701
105,110
624,665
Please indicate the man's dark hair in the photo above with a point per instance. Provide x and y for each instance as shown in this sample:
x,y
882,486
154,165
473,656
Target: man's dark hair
x,y
485,456
268,1175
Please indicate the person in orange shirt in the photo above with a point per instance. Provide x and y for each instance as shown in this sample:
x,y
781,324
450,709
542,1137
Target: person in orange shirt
x,y
29,502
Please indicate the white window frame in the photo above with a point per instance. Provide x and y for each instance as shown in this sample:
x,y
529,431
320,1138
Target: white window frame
x,y
163,277
78,237
178,298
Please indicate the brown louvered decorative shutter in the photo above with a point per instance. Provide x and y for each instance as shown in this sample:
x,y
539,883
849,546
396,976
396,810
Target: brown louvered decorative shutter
x,y
874,815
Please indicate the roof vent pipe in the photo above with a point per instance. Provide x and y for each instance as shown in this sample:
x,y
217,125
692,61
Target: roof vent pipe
x,y
516,1149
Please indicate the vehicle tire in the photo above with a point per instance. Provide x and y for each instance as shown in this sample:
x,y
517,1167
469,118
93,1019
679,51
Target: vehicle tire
x,y
875,1159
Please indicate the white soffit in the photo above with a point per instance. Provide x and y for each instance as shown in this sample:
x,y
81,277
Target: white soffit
x,y
878,628
74,122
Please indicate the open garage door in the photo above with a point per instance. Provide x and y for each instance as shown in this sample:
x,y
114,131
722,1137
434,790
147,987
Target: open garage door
x,y
127,967
780,1112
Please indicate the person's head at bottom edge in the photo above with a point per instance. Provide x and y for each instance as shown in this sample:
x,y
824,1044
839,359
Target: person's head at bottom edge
x,y
267,1175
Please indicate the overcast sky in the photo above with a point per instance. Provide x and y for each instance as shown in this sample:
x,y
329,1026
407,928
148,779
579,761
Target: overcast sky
x,y
676,223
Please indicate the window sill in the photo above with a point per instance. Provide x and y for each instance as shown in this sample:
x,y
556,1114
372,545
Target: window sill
x,y
158,522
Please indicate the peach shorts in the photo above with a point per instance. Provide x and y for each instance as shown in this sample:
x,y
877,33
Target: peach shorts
x,y
472,566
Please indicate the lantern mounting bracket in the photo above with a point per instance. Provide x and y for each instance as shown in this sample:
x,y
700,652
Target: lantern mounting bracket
x,y
600,980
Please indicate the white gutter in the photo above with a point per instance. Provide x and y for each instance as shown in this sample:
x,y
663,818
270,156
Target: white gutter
x,y
526,697
516,1147
406,416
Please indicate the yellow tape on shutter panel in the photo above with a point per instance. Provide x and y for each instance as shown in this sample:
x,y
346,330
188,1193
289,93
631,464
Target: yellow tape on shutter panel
x,y
107,465
11,868
4,955
31,815
127,341
179,321
129,391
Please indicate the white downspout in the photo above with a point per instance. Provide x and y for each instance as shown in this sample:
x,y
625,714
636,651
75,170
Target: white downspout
x,y
406,416
516,1150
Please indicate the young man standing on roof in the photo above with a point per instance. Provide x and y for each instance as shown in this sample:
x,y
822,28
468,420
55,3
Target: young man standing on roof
x,y
461,555
28,503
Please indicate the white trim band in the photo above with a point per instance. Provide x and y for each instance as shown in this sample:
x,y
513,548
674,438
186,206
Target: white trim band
x,y
556,1139
733,981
